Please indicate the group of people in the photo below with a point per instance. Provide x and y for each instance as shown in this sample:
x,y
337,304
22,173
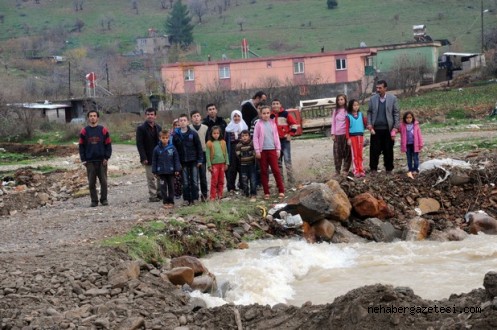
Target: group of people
x,y
255,141
383,121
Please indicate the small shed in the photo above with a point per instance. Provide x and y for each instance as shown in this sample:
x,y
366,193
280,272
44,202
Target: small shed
x,y
54,112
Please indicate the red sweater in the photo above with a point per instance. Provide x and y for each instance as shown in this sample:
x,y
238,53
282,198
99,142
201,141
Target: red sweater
x,y
286,123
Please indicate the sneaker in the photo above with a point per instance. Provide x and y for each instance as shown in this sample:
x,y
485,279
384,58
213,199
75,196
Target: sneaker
x,y
154,199
104,203
186,203
203,198
94,204
253,199
409,174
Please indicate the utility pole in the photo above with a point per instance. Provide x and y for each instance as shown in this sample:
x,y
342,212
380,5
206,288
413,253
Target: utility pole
x,y
482,37
69,77
107,75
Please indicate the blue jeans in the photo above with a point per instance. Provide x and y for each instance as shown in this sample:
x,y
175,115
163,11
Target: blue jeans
x,y
286,156
248,179
412,158
190,181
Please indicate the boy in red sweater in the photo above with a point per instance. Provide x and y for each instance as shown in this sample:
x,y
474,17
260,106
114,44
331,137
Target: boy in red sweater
x,y
287,126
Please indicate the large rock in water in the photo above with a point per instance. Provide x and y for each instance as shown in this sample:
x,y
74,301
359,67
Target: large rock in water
x,y
318,201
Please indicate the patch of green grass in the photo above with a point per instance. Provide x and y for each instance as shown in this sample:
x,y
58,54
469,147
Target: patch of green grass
x,y
9,158
224,213
468,99
456,114
140,242
465,145
174,237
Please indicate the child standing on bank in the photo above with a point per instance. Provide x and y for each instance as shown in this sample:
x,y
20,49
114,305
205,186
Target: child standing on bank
x,y
411,142
267,150
246,156
166,165
341,151
355,126
217,161
232,137
178,179
191,156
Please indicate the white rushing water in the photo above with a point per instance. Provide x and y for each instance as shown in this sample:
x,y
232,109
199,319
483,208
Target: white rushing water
x,y
294,272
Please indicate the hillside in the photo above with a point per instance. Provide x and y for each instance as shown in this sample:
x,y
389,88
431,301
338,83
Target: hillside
x,y
271,26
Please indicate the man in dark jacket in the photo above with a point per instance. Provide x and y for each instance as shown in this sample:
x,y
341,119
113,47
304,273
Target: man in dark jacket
x,y
147,138
212,119
95,150
249,107
188,144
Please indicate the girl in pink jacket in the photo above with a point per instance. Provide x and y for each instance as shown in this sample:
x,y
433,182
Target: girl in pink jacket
x,y
411,142
268,149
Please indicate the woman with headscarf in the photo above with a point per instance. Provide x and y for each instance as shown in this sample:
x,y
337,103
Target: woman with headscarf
x,y
232,137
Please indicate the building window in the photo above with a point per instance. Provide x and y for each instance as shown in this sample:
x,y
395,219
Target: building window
x,y
224,72
341,64
298,67
189,75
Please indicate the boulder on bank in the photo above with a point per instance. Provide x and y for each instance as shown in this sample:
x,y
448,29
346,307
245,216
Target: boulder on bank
x,y
318,201
366,205
417,229
374,229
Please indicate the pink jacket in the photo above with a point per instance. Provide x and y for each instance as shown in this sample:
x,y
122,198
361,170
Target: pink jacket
x,y
338,119
259,135
418,138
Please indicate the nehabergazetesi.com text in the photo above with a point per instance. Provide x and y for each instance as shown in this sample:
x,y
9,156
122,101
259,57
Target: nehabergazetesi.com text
x,y
390,309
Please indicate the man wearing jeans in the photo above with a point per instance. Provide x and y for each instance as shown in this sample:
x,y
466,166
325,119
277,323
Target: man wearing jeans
x,y
147,138
95,150
287,126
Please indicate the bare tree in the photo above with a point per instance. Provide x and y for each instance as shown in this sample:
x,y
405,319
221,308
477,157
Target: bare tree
x,y
134,6
408,72
106,22
198,8
79,25
78,4
240,21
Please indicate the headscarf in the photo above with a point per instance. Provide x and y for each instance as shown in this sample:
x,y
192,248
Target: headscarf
x,y
236,128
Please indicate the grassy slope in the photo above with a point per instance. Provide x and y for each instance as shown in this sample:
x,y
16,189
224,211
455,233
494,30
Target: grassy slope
x,y
272,26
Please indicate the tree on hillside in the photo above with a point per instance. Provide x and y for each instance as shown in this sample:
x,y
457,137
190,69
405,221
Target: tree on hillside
x,y
198,8
78,4
240,21
134,6
178,25
332,4
78,25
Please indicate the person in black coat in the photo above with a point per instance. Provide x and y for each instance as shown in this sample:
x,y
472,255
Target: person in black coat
x,y
147,138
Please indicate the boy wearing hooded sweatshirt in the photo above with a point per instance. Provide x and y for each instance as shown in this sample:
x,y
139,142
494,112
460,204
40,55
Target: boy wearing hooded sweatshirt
x,y
166,165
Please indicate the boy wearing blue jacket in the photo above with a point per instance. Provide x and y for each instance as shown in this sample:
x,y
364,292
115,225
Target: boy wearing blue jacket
x,y
191,157
165,165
